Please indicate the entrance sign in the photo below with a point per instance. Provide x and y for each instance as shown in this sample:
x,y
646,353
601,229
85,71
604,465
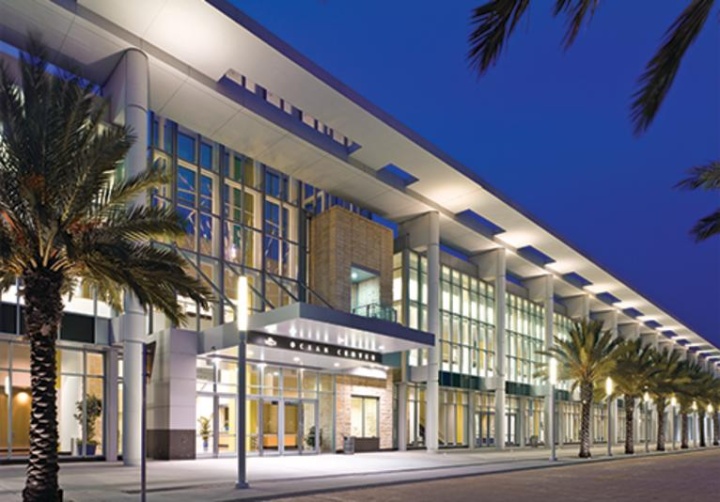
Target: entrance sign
x,y
310,347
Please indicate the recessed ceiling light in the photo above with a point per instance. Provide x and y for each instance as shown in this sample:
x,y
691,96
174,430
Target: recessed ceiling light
x,y
296,359
336,364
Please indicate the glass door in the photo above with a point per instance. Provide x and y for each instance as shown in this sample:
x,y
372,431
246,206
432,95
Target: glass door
x,y
292,428
271,426
227,424
253,424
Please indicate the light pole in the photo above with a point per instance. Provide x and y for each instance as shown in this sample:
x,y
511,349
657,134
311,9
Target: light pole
x,y
609,391
242,327
673,407
646,398
695,424
551,426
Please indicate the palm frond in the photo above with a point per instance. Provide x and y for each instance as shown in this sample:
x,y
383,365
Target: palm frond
x,y
656,80
577,12
707,226
494,23
706,177
155,275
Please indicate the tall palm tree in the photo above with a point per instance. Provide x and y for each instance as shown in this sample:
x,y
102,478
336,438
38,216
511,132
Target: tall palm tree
x,y
64,217
665,375
496,20
585,358
633,366
687,392
706,177
706,386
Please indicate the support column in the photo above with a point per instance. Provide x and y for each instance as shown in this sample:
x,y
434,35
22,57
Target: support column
x,y
492,265
433,389
541,290
128,89
610,322
111,405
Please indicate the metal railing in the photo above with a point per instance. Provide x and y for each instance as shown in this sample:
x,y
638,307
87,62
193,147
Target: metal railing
x,y
376,311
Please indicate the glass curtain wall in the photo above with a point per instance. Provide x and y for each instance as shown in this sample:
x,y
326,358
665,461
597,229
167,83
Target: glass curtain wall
x,y
241,217
524,338
80,400
467,310
288,409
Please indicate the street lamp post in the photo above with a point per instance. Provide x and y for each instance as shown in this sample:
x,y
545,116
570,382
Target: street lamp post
x,y
646,398
242,327
551,426
609,392
673,407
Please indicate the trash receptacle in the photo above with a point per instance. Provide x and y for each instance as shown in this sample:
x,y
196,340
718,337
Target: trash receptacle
x,y
348,445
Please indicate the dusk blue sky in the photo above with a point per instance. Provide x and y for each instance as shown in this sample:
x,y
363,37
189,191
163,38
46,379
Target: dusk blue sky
x,y
547,128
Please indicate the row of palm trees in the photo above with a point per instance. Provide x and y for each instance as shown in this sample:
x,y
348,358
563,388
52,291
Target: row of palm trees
x,y
590,354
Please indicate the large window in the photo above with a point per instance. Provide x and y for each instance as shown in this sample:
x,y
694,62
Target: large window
x,y
80,400
364,416
467,309
524,338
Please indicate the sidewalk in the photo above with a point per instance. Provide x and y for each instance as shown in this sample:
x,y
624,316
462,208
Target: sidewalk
x,y
275,477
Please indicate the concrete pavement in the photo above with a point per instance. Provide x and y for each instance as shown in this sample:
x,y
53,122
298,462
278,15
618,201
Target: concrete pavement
x,y
276,477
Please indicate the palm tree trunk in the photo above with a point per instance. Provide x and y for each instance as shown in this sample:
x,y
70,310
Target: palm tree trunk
x,y
42,318
586,394
701,426
716,428
661,403
684,430
629,422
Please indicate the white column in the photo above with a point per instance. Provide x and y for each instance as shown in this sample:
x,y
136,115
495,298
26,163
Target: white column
x,y
500,283
111,405
433,390
128,89
540,290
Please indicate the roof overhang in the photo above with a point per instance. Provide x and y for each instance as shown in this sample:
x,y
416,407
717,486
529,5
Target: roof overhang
x,y
312,336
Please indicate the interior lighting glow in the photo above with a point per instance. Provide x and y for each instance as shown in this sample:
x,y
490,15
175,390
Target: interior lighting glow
x,y
553,371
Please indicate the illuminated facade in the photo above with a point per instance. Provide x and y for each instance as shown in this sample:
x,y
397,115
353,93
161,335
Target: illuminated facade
x,y
395,297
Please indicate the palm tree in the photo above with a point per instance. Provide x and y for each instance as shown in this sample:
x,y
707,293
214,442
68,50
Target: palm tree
x,y
496,20
585,358
687,392
707,387
664,377
64,217
705,177
633,366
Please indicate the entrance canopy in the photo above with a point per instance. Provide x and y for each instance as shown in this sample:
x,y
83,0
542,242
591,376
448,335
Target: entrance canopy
x,y
313,336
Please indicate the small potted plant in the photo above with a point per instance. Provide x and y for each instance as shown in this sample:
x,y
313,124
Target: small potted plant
x,y
205,431
91,412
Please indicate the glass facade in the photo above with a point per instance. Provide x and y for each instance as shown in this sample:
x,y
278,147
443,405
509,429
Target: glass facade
x,y
80,400
524,339
289,410
241,216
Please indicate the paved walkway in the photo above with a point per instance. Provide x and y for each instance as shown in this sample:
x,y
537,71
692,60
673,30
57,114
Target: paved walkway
x,y
669,478
275,477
